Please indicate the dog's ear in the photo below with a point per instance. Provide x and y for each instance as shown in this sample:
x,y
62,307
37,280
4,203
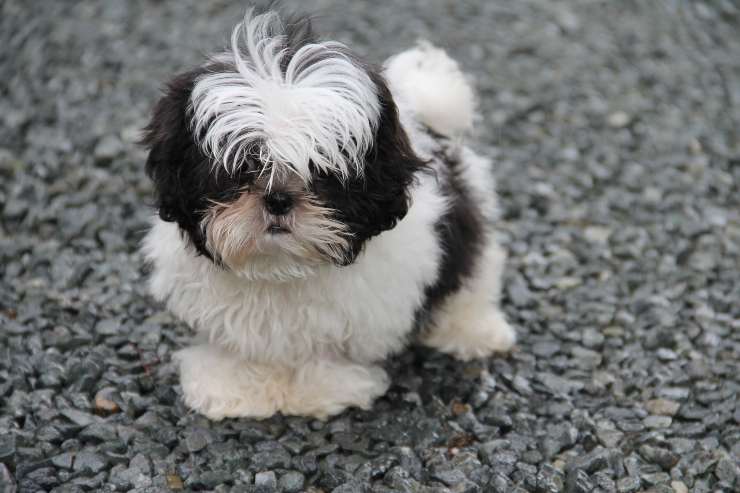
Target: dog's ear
x,y
171,144
391,164
375,200
176,165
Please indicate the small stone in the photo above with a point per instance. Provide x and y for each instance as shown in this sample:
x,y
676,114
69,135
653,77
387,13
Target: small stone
x,y
558,438
570,153
628,484
682,445
592,338
89,463
665,354
662,407
271,459
664,458
7,449
559,385
132,477
618,119
174,482
349,487
657,422
292,482
609,438
587,358
594,461
265,482
141,463
497,415
197,439
108,327
78,417
656,478
108,148
578,481
104,403
519,292
501,484
63,461
726,470
503,462
208,480
400,480
679,487
98,432
546,349
673,393
521,385
459,408
550,480
597,234
450,477
604,481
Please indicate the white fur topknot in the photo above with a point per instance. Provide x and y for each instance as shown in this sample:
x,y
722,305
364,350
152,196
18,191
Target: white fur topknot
x,y
322,107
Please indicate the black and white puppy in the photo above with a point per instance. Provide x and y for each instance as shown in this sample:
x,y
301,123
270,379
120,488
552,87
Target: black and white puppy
x,y
314,214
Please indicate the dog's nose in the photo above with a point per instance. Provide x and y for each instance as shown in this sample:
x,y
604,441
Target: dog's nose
x,y
278,203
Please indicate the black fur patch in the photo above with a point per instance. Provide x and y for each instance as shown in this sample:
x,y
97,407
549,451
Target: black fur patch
x,y
377,200
186,182
461,233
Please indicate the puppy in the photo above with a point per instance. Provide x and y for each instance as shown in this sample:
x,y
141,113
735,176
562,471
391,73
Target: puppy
x,y
316,214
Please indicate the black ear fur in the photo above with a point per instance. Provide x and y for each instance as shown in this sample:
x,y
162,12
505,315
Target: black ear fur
x,y
183,180
374,201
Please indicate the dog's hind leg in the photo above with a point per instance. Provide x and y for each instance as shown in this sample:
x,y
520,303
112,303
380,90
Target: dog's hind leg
x,y
469,323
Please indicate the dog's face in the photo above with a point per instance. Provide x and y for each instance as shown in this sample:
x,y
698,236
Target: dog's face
x,y
282,152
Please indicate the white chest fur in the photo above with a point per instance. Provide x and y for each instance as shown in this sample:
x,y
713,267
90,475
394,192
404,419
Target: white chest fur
x,y
364,310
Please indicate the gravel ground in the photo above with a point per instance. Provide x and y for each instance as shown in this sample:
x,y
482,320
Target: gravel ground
x,y
614,126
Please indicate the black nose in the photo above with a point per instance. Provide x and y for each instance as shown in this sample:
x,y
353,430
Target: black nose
x,y
278,203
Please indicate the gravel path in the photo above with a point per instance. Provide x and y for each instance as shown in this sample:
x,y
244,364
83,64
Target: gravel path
x,y
615,130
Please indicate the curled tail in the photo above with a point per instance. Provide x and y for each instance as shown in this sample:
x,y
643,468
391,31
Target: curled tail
x,y
429,83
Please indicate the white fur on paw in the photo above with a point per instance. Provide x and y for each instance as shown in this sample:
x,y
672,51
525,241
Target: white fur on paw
x,y
474,337
218,385
326,388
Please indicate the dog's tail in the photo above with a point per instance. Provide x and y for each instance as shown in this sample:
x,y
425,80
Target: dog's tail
x,y
430,83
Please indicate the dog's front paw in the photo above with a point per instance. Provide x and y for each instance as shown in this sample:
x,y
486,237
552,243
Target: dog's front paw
x,y
219,385
327,387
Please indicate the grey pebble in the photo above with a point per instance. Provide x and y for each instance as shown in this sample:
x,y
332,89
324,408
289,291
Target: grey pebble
x,y
197,439
628,484
578,481
89,462
265,482
292,482
660,456
7,448
108,148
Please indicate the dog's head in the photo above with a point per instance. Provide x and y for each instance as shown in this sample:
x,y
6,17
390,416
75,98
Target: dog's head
x,y
284,150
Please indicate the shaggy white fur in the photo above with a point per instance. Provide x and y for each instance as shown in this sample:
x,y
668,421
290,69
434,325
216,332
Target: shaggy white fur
x,y
306,341
422,75
322,108
217,383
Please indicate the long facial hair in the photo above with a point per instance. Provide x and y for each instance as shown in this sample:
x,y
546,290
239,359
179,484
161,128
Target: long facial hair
x,y
243,231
